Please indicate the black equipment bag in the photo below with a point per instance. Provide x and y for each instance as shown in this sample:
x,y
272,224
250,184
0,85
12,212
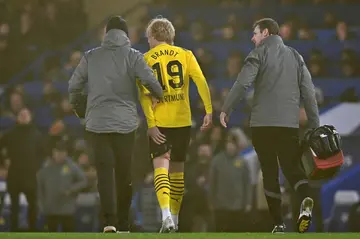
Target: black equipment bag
x,y
322,155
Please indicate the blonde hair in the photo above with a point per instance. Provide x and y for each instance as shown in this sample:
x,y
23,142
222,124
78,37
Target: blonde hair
x,y
161,29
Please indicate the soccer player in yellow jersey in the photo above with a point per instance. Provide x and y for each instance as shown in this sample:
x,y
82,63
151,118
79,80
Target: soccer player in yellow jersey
x,y
169,120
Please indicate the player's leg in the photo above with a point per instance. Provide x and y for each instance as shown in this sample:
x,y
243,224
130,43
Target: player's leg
x,y
160,155
123,145
263,143
177,185
180,138
289,153
104,163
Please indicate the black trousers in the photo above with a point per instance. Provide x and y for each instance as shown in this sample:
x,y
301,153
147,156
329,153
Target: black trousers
x,y
112,154
229,221
31,197
279,146
66,222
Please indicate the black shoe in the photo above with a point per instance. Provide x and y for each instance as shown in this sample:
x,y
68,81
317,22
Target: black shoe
x,y
279,229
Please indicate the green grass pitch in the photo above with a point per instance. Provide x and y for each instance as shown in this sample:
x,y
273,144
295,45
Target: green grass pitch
x,y
178,236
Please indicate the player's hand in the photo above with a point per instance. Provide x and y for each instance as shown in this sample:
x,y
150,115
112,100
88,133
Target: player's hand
x,y
156,135
154,102
224,119
207,122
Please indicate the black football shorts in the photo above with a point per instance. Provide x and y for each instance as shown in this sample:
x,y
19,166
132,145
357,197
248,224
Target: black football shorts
x,y
177,140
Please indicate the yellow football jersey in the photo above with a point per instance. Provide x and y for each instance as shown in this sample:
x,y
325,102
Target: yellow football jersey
x,y
173,67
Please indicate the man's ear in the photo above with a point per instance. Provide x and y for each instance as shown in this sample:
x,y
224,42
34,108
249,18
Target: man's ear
x,y
266,32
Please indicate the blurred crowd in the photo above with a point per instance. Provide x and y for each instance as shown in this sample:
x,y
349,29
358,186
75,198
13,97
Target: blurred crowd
x,y
215,157
31,27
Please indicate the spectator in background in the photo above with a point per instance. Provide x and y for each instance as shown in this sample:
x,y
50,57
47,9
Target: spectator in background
x,y
63,108
230,190
216,139
179,22
343,33
305,33
16,103
72,63
329,20
148,216
287,31
5,54
59,183
234,65
234,22
349,69
53,70
206,62
199,31
90,172
24,147
134,35
50,25
196,208
50,95
317,64
228,33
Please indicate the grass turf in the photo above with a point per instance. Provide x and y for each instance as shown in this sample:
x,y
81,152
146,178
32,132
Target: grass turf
x,y
178,236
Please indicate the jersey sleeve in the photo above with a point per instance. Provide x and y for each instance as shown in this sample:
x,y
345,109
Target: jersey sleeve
x,y
198,77
146,105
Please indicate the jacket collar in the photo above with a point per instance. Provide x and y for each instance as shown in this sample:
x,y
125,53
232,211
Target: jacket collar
x,y
272,40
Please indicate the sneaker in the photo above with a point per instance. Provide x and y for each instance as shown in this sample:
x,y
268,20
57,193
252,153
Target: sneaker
x,y
304,220
279,229
168,226
109,229
123,232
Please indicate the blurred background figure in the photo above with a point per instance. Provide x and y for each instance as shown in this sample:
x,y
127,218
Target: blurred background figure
x,y
59,182
230,190
24,147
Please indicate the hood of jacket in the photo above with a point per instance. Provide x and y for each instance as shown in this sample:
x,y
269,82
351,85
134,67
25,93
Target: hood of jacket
x,y
116,38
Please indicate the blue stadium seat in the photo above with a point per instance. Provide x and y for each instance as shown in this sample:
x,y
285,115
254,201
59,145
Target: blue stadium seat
x,y
335,87
6,123
61,86
34,89
43,116
325,35
71,121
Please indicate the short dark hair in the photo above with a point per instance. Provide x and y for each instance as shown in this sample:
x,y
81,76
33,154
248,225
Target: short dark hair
x,y
117,22
268,23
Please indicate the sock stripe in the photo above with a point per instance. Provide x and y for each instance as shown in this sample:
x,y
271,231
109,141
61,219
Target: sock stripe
x,y
160,176
176,179
162,187
176,194
178,185
162,183
181,190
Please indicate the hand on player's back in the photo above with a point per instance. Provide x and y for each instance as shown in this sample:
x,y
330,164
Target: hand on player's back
x,y
207,123
154,102
156,135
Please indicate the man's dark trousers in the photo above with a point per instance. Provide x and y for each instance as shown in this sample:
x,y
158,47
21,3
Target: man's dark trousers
x,y
279,146
112,154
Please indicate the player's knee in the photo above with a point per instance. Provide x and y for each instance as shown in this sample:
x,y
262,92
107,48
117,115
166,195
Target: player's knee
x,y
162,161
